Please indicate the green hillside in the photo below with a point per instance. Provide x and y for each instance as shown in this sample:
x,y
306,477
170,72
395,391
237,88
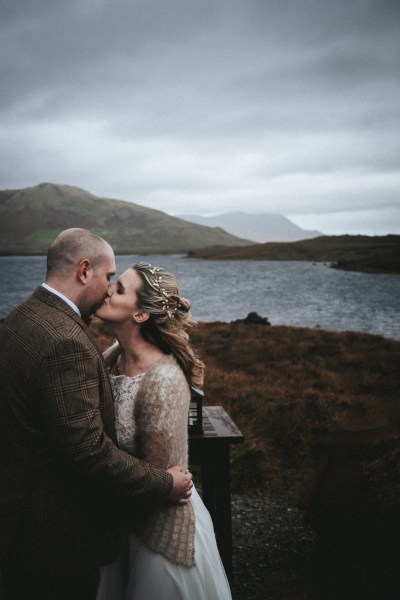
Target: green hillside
x,y
30,218
379,254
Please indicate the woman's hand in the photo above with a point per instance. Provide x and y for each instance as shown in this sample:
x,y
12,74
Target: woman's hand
x,y
182,489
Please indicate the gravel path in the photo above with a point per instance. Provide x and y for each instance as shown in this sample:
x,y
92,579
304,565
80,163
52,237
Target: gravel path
x,y
272,552
275,555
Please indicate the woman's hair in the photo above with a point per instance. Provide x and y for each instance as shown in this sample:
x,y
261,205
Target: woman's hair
x,y
169,319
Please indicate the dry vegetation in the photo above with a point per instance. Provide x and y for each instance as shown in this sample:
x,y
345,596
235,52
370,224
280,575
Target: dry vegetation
x,y
319,412
286,388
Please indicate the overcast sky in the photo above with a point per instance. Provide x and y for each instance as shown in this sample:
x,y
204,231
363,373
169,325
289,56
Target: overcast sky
x,y
283,106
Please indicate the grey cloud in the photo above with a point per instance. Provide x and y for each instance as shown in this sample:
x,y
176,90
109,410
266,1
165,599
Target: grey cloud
x,y
209,99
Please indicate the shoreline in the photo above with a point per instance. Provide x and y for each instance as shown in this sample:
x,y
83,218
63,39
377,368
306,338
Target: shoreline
x,y
356,253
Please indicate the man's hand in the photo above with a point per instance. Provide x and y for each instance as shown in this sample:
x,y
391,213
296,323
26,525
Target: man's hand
x,y
183,484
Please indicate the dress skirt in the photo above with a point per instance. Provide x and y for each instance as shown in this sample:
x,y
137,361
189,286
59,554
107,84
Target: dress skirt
x,y
139,574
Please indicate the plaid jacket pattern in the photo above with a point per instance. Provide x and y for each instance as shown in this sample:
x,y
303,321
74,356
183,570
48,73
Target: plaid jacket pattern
x,y
63,482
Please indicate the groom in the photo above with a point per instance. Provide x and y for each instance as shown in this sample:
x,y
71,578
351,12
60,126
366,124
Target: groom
x,y
64,484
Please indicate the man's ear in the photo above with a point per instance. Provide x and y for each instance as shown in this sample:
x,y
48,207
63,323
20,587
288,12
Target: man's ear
x,y
141,316
82,270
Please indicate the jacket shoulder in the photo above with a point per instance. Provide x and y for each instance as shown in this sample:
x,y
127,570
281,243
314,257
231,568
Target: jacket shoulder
x,y
34,326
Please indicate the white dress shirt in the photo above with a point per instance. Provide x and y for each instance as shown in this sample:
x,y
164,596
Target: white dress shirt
x,y
60,295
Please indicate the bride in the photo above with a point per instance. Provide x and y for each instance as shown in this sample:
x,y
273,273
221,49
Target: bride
x,y
171,554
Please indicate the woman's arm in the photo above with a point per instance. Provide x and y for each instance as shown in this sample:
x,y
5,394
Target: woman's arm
x,y
161,413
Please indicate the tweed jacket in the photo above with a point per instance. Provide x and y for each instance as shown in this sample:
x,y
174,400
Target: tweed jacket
x,y
62,478
161,411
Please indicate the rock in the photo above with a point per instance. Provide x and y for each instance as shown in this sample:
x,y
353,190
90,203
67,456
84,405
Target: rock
x,y
253,319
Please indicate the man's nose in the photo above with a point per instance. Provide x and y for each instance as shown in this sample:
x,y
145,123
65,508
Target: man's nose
x,y
111,289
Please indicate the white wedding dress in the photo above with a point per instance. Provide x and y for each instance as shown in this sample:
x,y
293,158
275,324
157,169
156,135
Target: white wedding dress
x,y
138,573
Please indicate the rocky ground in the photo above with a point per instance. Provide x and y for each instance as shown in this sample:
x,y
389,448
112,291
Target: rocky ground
x,y
272,554
276,557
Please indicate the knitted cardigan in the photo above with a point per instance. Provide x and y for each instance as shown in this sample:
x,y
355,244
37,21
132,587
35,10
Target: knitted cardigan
x,y
161,414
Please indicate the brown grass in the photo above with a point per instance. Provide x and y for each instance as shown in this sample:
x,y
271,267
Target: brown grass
x,y
286,388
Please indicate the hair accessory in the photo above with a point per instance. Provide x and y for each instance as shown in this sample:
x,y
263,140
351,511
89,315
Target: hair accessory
x,y
166,302
154,270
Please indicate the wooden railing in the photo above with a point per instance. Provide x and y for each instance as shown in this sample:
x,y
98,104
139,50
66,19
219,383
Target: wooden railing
x,y
211,450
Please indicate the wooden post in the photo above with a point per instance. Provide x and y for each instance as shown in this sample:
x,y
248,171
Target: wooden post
x,y
211,450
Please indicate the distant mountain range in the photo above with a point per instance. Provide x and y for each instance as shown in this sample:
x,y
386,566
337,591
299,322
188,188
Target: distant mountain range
x,y
261,227
31,218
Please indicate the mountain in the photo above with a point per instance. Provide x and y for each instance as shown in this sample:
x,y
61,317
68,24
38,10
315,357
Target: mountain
x,y
31,218
261,227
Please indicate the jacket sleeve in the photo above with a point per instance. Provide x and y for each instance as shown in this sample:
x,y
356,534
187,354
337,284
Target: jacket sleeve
x,y
68,392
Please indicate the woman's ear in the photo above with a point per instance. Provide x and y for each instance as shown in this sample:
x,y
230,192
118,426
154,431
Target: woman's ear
x,y
141,316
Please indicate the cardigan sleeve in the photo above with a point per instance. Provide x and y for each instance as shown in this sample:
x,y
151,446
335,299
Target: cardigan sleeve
x,y
162,406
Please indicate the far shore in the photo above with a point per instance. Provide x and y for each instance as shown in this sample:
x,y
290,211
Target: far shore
x,y
364,254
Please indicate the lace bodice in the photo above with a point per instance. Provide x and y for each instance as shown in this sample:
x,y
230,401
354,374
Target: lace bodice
x,y
125,390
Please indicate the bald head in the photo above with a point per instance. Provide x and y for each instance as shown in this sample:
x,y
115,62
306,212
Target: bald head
x,y
80,265
70,247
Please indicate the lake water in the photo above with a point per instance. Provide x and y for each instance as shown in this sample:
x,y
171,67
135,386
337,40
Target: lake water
x,y
287,293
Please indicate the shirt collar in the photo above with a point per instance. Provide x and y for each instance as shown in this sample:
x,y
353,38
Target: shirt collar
x,y
60,295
